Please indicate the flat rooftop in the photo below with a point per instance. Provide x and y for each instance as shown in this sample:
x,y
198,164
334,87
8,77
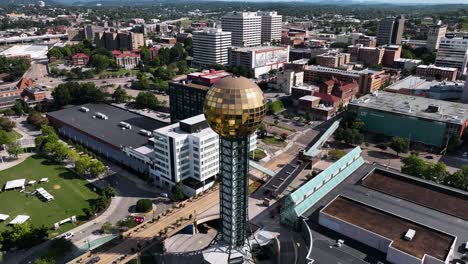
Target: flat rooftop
x,y
412,83
258,49
448,112
419,192
108,130
426,241
352,187
37,52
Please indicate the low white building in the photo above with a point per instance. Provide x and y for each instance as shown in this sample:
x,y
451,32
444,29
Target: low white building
x,y
187,152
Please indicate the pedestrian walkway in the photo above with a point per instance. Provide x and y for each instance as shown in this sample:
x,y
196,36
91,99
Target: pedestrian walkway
x,y
93,244
5,164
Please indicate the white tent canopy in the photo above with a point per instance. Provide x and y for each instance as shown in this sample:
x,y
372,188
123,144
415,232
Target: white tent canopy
x,y
44,180
3,217
19,219
45,194
31,182
15,184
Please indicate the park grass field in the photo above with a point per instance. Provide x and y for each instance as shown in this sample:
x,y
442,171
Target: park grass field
x,y
71,194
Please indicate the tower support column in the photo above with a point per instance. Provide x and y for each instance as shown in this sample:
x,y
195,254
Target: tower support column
x,y
234,157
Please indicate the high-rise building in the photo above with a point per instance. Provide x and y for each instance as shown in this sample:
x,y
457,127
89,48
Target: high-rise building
x,y
434,35
437,73
453,53
271,26
371,56
234,109
333,59
259,60
391,54
390,30
210,46
245,28
186,96
119,40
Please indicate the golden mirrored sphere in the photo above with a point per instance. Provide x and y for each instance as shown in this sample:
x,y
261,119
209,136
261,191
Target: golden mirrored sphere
x,y
234,107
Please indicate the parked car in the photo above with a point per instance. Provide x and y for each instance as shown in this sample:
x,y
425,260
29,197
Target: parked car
x,y
465,154
429,157
68,235
164,195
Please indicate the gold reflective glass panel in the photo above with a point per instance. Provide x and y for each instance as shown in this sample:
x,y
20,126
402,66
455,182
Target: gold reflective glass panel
x,y
234,107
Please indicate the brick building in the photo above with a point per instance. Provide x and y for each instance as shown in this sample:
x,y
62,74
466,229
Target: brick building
x,y
80,59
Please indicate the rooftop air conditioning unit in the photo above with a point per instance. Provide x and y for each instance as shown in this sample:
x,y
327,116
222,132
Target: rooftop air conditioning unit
x,y
145,132
409,235
84,109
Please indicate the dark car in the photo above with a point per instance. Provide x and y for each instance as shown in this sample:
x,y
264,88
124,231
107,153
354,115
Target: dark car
x,y
429,157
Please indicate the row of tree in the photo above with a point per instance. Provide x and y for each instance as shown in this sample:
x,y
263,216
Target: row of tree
x,y
76,93
48,143
13,67
418,167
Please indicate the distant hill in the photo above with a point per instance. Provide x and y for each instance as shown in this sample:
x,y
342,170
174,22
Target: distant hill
x,y
27,2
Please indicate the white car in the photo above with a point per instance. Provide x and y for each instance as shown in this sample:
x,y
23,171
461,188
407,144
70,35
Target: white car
x,y
465,154
68,235
164,195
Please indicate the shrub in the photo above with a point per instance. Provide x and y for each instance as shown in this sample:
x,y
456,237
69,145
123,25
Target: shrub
x,y
144,205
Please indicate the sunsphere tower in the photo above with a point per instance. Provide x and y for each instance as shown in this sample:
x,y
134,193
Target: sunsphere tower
x,y
234,108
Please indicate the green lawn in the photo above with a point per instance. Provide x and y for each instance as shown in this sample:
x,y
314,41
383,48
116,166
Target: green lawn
x,y
274,141
70,191
258,154
15,134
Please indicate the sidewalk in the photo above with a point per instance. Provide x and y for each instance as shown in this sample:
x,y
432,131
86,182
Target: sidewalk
x,y
8,164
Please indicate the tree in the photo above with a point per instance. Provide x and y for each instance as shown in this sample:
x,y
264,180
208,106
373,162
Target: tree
x,y
400,145
5,138
23,236
7,124
274,107
109,192
54,52
14,149
96,168
120,95
106,228
44,260
336,154
144,206
459,179
100,62
73,156
18,108
349,136
413,165
147,100
37,120
435,171
178,191
82,165
62,95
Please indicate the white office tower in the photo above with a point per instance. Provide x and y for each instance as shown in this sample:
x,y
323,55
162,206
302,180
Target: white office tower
x,y
453,53
271,26
245,27
434,35
210,46
187,151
